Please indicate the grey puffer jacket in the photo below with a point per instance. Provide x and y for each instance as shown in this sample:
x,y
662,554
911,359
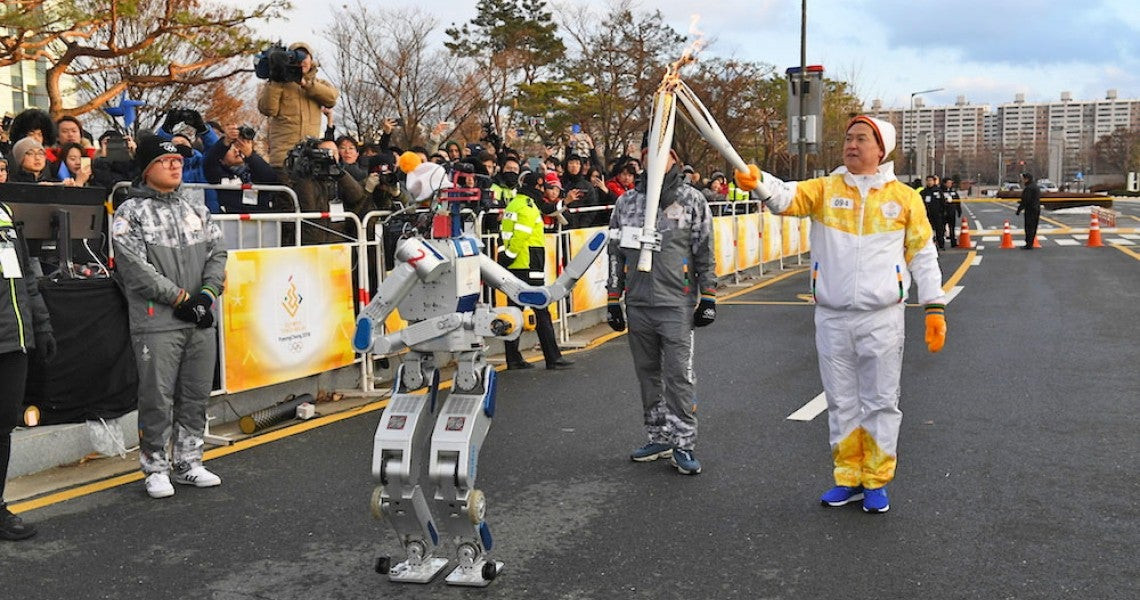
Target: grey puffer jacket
x,y
165,244
683,269
23,313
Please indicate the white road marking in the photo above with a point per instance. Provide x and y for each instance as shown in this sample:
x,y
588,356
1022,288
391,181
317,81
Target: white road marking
x,y
991,238
1121,241
810,410
1064,242
954,291
977,260
979,247
1130,236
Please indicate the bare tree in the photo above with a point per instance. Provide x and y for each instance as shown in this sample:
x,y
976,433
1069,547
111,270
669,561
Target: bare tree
x,y
397,75
621,56
1118,152
148,44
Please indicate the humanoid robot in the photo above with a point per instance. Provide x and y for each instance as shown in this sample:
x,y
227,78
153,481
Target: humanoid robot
x,y
436,285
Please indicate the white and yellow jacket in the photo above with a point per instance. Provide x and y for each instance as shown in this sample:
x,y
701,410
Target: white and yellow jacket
x,y
869,237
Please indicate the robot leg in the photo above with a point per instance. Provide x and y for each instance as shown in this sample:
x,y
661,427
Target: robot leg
x,y
459,432
397,464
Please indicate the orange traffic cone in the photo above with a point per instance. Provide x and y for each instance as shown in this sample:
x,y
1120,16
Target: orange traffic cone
x,y
1094,232
1006,237
1036,244
964,235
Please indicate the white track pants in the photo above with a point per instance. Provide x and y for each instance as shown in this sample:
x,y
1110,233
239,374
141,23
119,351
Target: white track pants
x,y
860,363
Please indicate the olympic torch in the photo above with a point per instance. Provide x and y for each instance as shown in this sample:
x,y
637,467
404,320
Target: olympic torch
x,y
698,116
660,141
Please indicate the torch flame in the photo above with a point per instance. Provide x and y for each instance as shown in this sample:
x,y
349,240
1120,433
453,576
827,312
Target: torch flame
x,y
673,74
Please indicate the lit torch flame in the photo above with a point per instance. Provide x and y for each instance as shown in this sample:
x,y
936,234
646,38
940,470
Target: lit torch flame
x,y
673,74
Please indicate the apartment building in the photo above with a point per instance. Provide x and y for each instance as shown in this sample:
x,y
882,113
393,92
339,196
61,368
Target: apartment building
x,y
1055,139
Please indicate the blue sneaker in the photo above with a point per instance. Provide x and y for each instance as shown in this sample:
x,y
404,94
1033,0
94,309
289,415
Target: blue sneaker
x,y
876,501
686,462
841,494
651,451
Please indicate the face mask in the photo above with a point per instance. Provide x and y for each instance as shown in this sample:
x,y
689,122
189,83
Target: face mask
x,y
511,179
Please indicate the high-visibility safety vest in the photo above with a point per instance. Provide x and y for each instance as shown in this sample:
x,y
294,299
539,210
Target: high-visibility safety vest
x,y
503,195
735,194
523,239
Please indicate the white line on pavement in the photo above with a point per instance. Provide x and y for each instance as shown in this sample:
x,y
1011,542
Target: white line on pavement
x,y
810,410
977,260
954,291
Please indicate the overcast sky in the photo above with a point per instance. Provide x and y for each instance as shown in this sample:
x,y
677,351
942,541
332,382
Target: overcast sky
x,y
985,50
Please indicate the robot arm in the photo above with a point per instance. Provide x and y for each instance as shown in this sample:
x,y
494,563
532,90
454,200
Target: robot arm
x,y
540,297
394,288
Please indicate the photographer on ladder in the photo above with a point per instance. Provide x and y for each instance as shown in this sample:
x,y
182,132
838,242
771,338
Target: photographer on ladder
x,y
292,97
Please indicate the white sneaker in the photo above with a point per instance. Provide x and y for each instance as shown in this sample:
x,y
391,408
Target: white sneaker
x,y
158,485
198,477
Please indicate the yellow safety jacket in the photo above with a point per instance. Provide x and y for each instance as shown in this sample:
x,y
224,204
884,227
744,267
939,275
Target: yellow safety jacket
x,y
524,242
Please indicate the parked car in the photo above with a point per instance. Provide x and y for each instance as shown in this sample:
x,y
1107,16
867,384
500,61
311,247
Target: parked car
x,y
1047,186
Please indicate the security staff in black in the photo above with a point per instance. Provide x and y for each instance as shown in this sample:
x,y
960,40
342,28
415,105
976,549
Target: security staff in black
x,y
24,327
952,211
935,200
1031,204
523,252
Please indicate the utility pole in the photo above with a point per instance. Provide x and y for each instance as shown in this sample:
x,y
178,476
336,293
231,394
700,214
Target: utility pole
x,y
803,96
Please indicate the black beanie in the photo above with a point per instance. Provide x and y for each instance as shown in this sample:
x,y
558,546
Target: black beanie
x,y
151,147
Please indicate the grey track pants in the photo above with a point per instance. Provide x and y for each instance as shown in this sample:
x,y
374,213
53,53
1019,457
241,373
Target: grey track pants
x,y
176,370
661,342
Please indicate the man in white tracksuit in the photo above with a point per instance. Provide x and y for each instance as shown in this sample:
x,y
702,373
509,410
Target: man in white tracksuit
x,y
869,237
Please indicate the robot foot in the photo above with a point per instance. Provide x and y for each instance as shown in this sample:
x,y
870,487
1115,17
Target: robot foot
x,y
406,572
479,574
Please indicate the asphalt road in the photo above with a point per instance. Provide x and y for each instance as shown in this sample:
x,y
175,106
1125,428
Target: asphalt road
x,y
1017,473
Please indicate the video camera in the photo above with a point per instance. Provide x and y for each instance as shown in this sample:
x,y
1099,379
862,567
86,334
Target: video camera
x,y
246,132
307,161
279,64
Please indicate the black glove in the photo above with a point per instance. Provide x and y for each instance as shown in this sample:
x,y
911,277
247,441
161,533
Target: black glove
x,y
196,310
173,118
45,345
705,313
615,317
193,118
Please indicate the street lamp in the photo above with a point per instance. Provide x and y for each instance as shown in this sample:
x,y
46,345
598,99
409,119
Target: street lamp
x,y
914,142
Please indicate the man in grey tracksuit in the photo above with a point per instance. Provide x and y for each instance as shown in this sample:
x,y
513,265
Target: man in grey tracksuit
x,y
660,308
170,256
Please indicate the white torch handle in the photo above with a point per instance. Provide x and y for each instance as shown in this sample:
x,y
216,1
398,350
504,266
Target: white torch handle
x,y
698,116
660,142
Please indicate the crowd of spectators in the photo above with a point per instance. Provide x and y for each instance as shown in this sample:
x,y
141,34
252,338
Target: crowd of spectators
x,y
573,184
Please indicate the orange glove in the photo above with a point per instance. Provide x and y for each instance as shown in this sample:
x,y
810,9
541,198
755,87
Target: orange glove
x,y
747,181
935,326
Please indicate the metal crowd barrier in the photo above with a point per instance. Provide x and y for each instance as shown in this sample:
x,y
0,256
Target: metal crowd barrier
x,y
372,234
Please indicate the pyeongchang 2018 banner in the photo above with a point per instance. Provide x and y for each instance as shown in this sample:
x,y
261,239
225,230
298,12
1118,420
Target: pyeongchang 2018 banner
x,y
288,314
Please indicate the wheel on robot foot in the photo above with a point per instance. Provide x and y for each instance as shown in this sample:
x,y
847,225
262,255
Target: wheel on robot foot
x,y
383,565
376,504
490,570
476,506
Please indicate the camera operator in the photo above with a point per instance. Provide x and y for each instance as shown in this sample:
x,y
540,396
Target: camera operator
x,y
293,103
322,186
384,186
234,161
